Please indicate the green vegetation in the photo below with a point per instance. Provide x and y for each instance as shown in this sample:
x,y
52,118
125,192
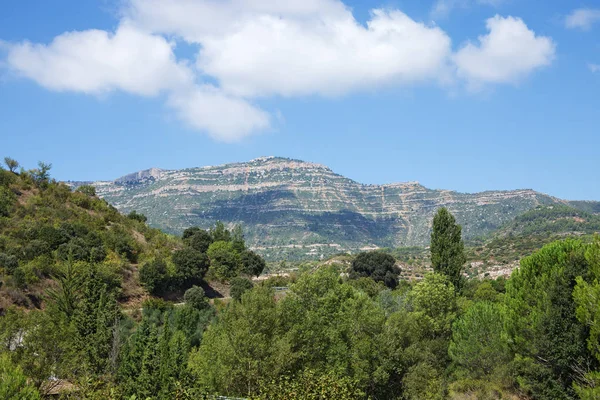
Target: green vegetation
x,y
72,269
447,248
380,267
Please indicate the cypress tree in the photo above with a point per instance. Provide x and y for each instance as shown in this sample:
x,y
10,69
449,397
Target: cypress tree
x,y
447,248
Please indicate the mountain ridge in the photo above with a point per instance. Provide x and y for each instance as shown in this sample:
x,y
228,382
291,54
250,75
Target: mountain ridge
x,y
288,204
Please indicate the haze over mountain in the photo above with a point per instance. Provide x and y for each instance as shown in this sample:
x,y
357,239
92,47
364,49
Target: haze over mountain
x,y
305,209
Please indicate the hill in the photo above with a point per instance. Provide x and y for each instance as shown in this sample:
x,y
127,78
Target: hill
x,y
298,210
45,227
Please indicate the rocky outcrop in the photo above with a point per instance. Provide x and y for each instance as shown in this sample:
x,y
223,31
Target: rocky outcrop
x,y
293,208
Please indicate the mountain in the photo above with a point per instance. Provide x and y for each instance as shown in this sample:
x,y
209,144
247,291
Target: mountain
x,y
299,209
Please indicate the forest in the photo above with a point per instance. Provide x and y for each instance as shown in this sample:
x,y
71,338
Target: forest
x,y
97,305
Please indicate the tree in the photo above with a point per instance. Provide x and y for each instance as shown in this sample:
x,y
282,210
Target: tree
x,y
7,201
542,325
252,263
379,266
242,348
224,260
479,343
153,276
220,233
191,265
587,298
88,190
447,248
134,215
196,298
434,298
197,238
11,164
13,382
239,286
237,239
42,173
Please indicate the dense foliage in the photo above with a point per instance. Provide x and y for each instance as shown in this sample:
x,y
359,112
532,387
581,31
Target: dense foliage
x,y
71,265
447,247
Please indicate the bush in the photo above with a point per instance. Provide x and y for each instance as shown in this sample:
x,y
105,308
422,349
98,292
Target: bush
x,y
8,263
134,215
379,266
7,200
196,298
20,278
88,190
191,265
239,286
153,276
224,260
252,263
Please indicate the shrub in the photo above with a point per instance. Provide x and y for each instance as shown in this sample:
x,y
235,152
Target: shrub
x,y
196,298
379,266
239,286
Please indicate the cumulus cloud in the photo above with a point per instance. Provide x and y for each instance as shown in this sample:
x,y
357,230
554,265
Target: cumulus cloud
x,y
582,18
223,117
251,49
96,61
506,54
273,56
594,67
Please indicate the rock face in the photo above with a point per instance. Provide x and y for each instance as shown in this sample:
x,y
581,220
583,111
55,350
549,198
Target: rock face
x,y
298,209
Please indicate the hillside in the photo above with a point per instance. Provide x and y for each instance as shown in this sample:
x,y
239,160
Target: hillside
x,y
46,229
299,210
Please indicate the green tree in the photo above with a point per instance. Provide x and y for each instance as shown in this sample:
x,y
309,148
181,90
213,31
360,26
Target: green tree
x,y
541,320
239,286
447,248
435,300
197,238
379,266
191,266
7,201
95,319
242,348
11,164
587,298
42,173
153,276
88,190
196,298
13,382
220,233
252,263
479,343
237,239
134,215
224,260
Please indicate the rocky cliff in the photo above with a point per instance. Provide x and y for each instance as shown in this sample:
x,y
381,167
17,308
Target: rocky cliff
x,y
300,209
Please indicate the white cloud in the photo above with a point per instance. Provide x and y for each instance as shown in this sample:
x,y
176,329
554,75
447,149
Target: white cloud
x,y
582,18
96,62
273,56
594,67
506,54
224,117
259,48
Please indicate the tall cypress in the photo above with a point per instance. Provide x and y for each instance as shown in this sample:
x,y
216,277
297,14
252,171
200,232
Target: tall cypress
x,y
447,247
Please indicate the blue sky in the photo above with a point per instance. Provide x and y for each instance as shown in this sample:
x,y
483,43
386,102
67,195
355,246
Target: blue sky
x,y
468,95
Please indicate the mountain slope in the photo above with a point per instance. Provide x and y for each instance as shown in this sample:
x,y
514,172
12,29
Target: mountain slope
x,y
300,209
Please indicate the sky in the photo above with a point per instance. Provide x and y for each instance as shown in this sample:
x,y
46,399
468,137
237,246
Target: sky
x,y
468,95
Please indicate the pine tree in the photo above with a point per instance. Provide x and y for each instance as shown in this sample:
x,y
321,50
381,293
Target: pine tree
x,y
447,248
